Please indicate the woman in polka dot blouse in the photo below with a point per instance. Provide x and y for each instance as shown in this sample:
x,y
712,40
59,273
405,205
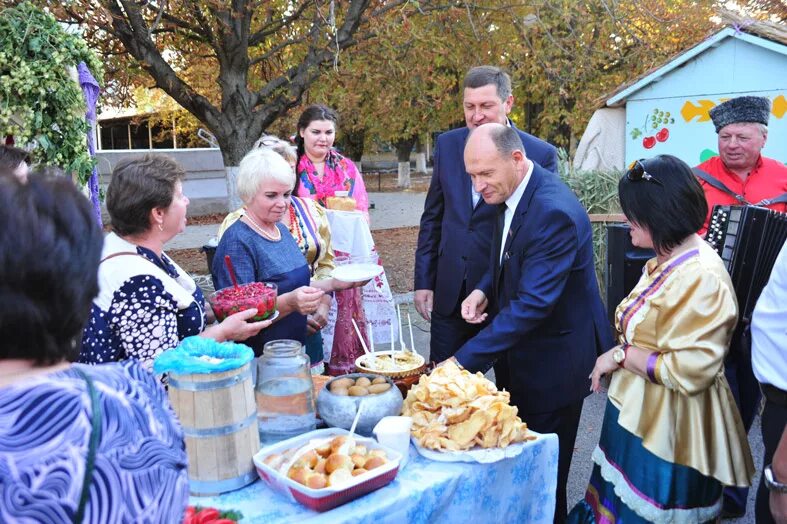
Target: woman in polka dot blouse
x,y
146,303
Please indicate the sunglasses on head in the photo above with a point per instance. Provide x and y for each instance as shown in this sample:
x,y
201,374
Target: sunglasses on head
x,y
636,172
269,141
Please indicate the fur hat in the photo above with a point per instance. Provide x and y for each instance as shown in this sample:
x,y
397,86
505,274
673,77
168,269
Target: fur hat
x,y
742,109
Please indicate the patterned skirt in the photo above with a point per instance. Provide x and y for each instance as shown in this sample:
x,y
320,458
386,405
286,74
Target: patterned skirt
x,y
631,484
346,345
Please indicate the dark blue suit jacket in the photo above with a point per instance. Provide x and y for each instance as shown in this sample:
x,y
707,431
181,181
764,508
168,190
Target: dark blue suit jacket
x,y
549,322
455,239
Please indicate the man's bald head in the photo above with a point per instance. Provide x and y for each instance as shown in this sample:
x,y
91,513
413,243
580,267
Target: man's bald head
x,y
505,138
495,160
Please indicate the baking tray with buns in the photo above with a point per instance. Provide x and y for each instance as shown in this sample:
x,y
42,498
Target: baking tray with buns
x,y
329,497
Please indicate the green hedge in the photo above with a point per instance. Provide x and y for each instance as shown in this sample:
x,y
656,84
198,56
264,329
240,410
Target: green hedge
x,y
598,192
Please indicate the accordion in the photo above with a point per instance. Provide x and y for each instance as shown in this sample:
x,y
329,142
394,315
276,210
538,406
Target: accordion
x,y
748,240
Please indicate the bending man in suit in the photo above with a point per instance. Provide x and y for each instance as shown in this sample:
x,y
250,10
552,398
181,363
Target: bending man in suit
x,y
549,322
456,226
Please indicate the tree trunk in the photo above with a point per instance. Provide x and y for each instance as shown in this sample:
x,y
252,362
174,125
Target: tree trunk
x,y
403,149
233,149
420,157
233,200
352,144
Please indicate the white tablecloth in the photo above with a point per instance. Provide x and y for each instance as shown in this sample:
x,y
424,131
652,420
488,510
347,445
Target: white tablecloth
x,y
350,234
515,490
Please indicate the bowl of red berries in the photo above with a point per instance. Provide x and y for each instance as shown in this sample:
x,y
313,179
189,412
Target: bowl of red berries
x,y
233,299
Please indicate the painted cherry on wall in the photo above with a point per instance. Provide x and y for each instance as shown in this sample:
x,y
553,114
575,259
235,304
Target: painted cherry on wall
x,y
648,142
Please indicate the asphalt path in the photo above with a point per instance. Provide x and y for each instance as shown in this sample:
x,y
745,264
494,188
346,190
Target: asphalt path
x,y
391,210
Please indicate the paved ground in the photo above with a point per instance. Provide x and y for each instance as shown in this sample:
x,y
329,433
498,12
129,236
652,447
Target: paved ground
x,y
391,210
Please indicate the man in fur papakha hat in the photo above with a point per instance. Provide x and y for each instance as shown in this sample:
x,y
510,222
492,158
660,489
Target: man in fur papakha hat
x,y
742,126
740,175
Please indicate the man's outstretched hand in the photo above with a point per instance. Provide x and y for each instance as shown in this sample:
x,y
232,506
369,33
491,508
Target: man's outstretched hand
x,y
474,307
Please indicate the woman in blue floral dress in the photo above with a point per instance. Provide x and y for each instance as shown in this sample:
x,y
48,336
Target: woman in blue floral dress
x,y
92,444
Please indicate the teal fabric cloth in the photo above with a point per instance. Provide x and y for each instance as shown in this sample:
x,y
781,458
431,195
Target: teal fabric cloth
x,y
669,491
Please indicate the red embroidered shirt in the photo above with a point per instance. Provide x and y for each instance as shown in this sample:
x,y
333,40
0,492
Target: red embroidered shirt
x,y
768,179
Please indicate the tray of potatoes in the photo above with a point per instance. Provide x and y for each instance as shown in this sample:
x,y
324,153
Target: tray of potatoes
x,y
321,470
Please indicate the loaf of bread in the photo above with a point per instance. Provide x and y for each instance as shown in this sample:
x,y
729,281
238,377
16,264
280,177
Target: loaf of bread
x,y
340,203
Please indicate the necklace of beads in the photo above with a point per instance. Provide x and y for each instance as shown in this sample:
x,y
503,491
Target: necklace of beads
x,y
298,230
273,238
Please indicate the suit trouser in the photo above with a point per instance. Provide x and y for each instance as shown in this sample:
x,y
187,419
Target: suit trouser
x,y
450,332
746,391
564,422
774,418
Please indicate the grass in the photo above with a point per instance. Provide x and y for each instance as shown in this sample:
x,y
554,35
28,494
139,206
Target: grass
x,y
598,193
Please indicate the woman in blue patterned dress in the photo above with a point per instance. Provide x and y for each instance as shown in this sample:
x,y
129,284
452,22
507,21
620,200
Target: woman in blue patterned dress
x,y
147,304
77,443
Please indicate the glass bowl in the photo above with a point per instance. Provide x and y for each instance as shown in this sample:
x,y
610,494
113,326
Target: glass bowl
x,y
231,300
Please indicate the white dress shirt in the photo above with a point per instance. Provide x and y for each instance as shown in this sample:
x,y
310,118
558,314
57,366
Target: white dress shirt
x,y
769,327
511,203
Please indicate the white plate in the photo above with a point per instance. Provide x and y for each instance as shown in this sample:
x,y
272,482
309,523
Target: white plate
x,y
357,272
475,454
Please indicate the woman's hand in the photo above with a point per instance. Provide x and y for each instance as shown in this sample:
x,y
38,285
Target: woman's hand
x,y
319,319
236,327
305,300
605,364
209,314
331,284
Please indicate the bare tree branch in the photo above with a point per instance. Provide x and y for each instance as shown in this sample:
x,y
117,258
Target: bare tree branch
x,y
130,28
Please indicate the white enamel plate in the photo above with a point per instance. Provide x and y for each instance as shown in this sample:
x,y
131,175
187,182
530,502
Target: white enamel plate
x,y
357,272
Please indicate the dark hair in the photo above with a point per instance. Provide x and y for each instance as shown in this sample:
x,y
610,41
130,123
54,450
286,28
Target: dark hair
x,y
671,209
506,140
50,246
138,186
489,75
309,115
11,157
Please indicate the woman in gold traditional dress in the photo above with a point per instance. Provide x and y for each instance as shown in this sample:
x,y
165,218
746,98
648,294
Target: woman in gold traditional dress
x,y
672,436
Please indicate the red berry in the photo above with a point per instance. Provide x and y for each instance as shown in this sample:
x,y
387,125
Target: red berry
x,y
662,135
648,142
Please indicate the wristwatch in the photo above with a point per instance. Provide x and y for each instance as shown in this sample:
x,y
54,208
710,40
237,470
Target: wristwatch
x,y
771,483
619,354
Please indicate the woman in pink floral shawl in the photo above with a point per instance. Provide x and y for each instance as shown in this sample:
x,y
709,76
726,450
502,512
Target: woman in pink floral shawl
x,y
321,172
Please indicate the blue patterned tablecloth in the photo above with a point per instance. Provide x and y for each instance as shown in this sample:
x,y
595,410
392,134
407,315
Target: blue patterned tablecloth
x,y
519,489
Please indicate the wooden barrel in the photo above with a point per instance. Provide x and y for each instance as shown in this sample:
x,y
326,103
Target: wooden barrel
x,y
219,419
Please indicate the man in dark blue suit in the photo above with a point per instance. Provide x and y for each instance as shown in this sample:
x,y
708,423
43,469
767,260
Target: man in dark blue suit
x,y
547,320
456,226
